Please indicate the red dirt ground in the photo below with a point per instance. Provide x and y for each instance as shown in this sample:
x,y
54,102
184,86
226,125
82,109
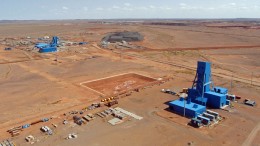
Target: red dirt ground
x,y
118,84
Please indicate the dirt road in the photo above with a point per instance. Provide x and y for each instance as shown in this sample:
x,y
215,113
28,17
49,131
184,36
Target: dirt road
x,y
239,79
252,135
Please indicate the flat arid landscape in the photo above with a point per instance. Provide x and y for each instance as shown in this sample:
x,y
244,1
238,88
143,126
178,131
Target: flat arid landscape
x,y
85,71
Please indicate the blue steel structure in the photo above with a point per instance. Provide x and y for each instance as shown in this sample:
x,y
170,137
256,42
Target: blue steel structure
x,y
220,90
48,49
201,94
41,45
187,108
201,91
45,48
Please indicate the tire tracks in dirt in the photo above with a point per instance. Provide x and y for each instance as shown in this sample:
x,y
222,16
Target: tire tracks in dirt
x,y
252,135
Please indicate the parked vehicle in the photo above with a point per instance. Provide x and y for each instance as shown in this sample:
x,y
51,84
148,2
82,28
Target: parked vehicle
x,y
168,91
249,102
78,120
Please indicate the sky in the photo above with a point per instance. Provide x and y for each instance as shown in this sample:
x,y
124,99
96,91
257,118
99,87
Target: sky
x,y
120,9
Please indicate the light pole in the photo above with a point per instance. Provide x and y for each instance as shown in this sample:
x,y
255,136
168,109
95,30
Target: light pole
x,y
231,84
184,107
252,78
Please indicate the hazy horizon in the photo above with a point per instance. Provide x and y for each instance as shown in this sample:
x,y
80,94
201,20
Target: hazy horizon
x,y
125,9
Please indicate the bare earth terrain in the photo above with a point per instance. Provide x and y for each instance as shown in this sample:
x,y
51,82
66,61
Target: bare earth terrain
x,y
34,86
118,83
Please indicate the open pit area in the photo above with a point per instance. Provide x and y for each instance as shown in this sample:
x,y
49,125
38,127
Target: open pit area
x,y
37,85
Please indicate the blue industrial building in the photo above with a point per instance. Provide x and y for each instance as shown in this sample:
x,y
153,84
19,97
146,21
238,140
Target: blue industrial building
x,y
41,45
215,100
48,49
186,108
45,48
201,91
220,90
201,94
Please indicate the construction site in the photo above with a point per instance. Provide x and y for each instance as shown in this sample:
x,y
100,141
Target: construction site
x,y
144,82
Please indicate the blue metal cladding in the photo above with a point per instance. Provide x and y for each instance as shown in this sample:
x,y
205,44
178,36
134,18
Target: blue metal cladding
x,y
227,102
220,90
201,92
215,100
41,45
203,77
48,49
191,109
44,47
54,42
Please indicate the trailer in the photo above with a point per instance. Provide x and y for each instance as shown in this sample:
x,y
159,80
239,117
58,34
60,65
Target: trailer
x,y
91,116
7,143
87,118
120,115
108,111
100,115
104,114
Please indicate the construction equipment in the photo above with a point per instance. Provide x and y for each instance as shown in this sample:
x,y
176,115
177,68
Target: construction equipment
x,y
111,103
107,99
